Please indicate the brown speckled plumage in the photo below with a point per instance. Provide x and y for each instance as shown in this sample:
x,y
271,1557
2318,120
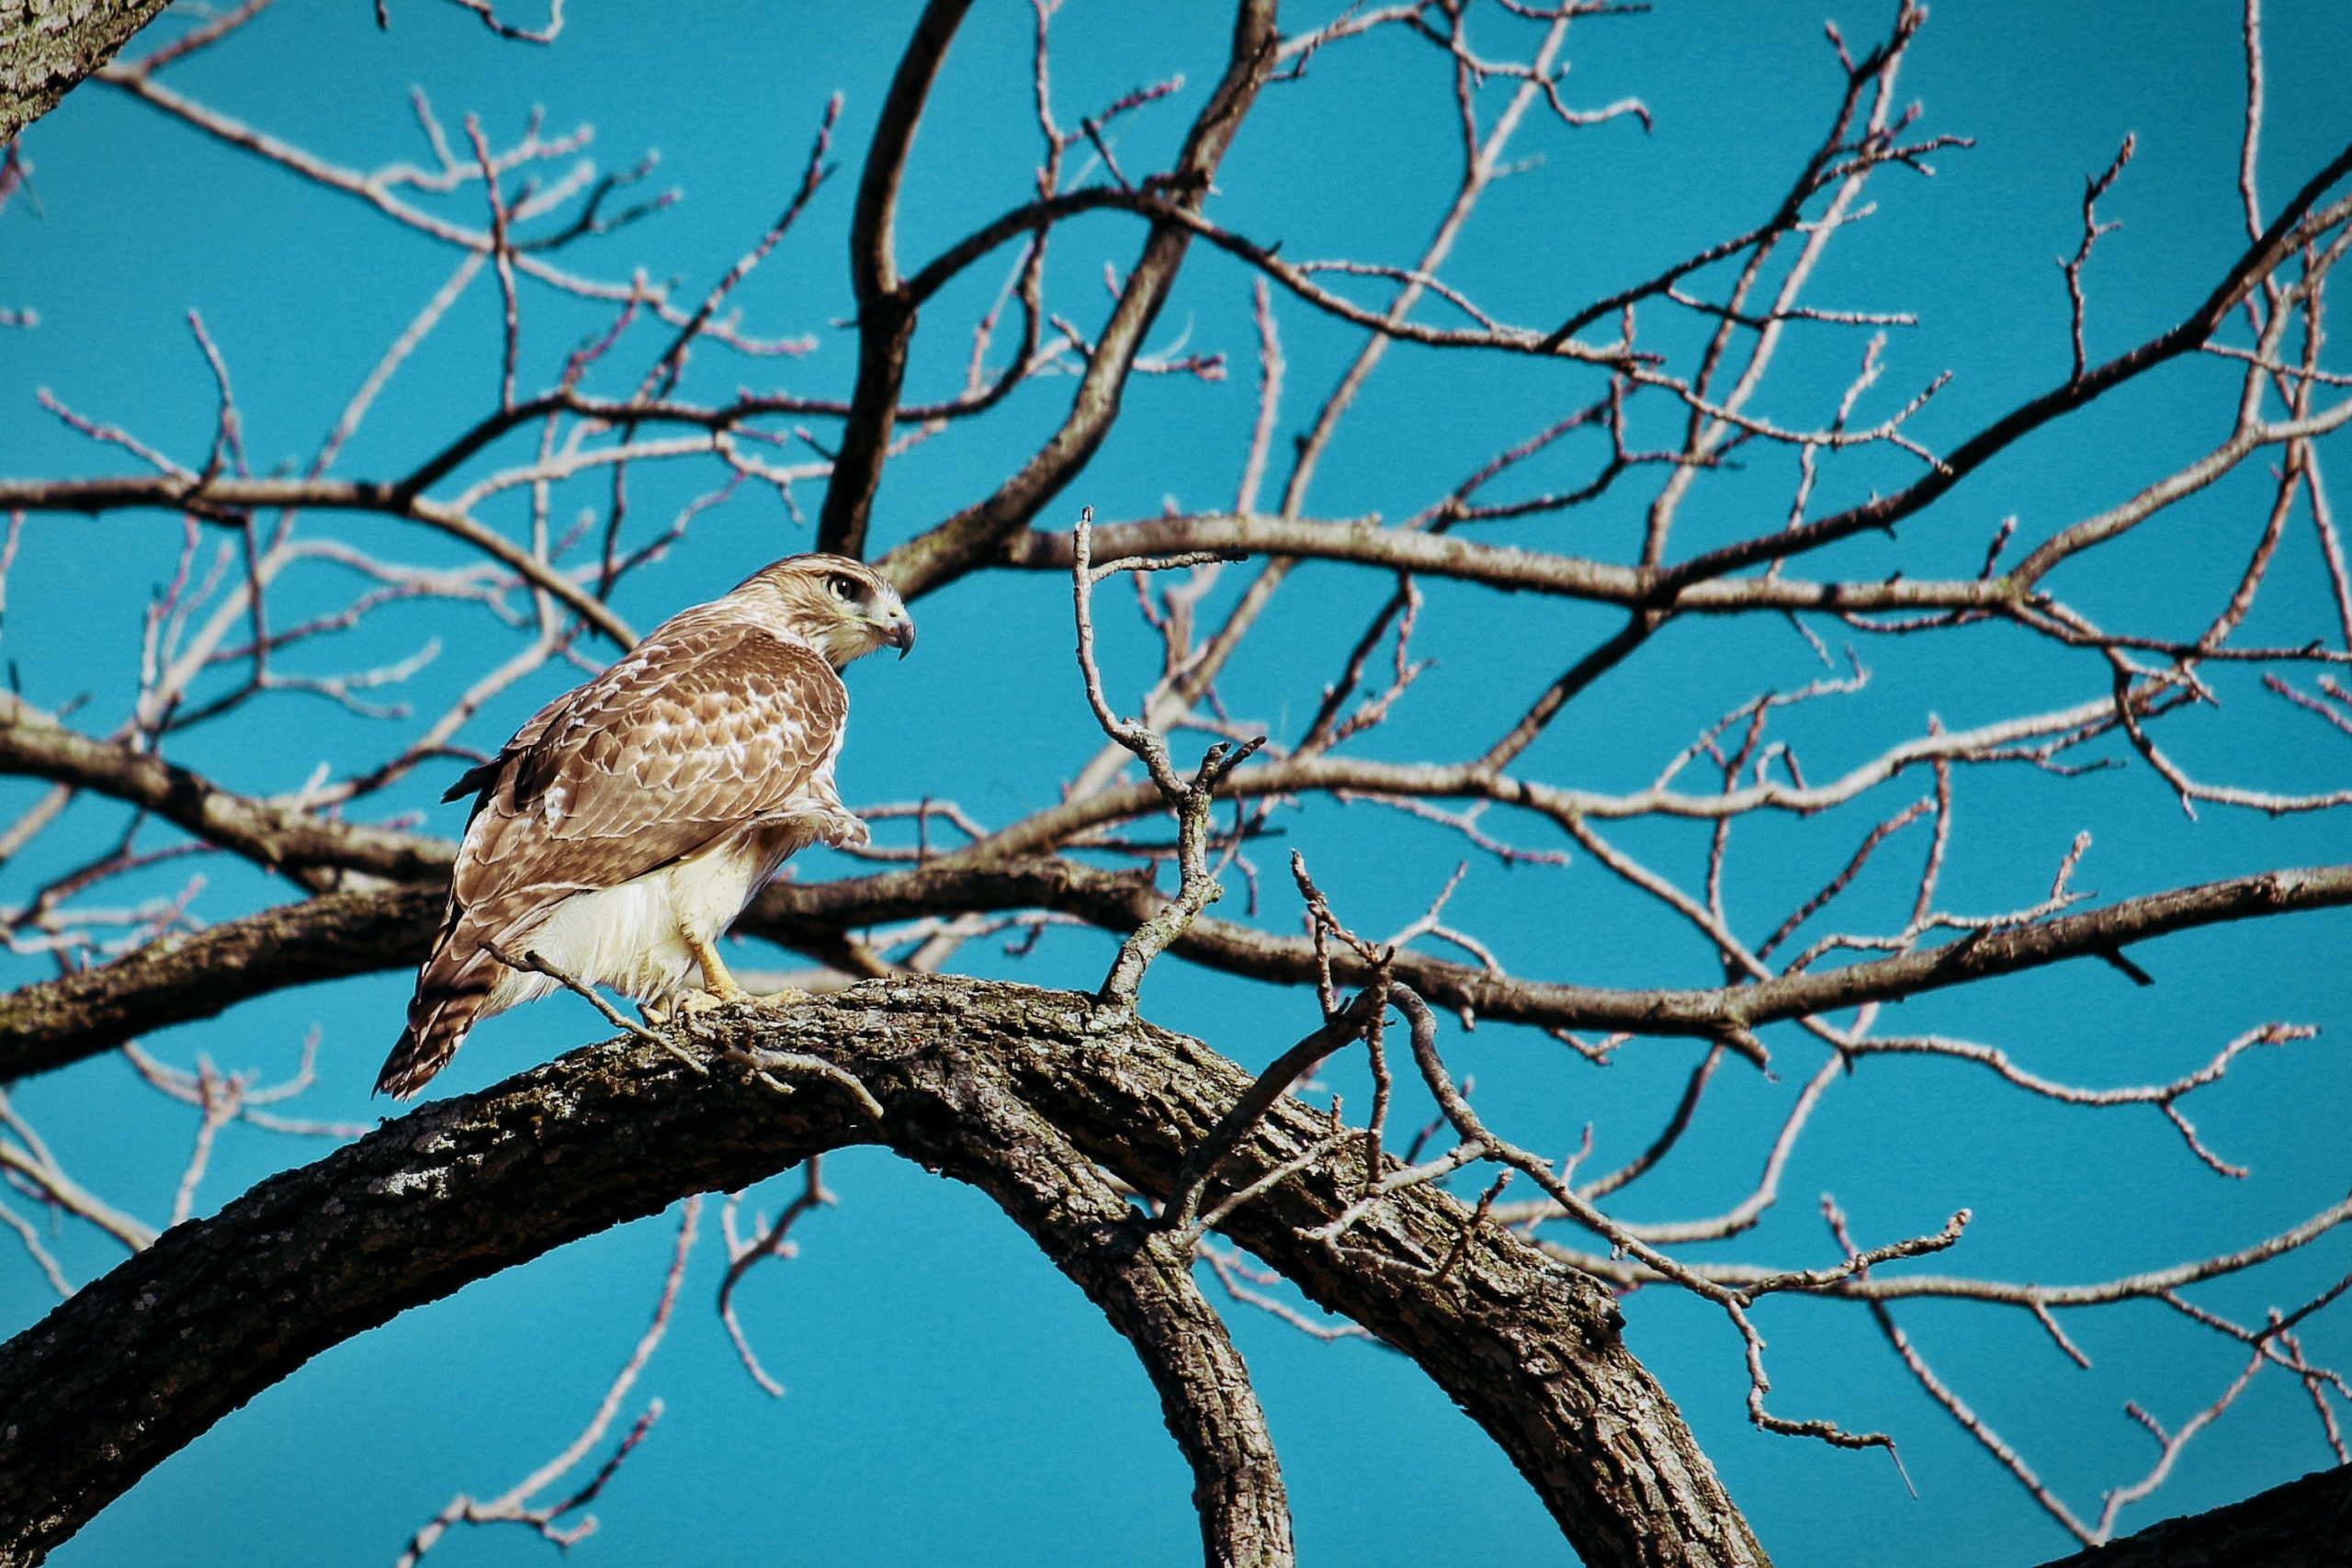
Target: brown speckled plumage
x,y
679,779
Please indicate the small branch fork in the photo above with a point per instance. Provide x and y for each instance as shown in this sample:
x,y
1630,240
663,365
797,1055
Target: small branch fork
x,y
514,1506
1181,1210
744,1254
2273,1344
1191,801
2093,188
1735,1290
1478,1144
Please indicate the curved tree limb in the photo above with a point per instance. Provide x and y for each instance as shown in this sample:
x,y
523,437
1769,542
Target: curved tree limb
x,y
1143,1281
148,1357
2303,1524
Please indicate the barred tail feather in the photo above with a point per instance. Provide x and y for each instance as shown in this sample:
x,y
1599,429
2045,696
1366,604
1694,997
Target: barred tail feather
x,y
453,991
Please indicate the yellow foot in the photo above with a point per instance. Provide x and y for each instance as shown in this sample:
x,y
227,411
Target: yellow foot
x,y
687,1003
735,996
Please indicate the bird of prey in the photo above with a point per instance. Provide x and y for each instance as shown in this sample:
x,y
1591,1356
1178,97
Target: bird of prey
x,y
623,829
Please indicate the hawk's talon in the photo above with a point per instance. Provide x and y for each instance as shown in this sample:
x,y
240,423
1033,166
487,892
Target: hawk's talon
x,y
714,1000
844,830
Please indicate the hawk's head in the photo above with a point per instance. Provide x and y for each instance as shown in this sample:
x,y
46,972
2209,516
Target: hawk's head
x,y
840,607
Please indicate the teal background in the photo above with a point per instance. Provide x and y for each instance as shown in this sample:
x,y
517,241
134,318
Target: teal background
x,y
952,1400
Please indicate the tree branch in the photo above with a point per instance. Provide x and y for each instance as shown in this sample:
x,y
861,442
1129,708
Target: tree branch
x,y
964,540
148,1357
1143,1281
1363,541
1883,512
56,1023
211,495
2300,1525
886,313
180,979
312,849
46,50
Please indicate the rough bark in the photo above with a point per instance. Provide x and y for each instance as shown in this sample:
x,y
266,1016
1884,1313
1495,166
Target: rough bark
x,y
2304,1524
146,1358
183,977
1143,1281
1531,1351
46,46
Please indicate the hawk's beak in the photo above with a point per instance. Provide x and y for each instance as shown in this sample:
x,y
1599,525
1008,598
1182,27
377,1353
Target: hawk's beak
x,y
898,631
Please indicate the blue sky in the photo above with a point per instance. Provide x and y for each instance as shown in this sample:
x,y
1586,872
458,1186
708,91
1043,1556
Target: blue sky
x,y
952,1401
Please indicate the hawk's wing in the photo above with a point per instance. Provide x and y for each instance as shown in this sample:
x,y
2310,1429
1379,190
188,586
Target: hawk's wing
x,y
696,733
706,728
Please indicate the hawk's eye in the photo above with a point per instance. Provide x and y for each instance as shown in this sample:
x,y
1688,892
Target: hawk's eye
x,y
845,589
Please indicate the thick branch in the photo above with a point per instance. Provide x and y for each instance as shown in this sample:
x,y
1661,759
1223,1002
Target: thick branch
x,y
46,48
148,1357
144,1360
966,539
1142,1279
886,314
52,1025
2303,1524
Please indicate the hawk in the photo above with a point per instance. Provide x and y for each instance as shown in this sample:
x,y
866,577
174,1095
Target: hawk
x,y
625,826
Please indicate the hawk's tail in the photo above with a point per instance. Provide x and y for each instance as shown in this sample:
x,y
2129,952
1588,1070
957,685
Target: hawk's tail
x,y
452,991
